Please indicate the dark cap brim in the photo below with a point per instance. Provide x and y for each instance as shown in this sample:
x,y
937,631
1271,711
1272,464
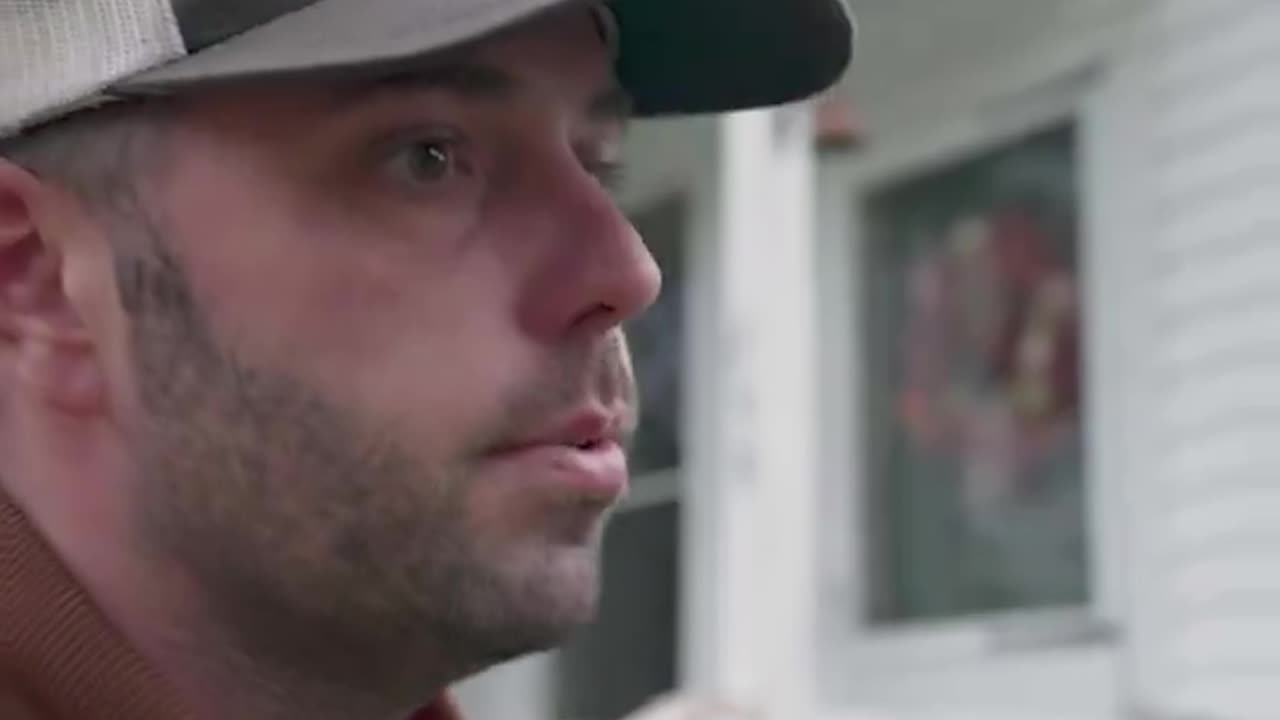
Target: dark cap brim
x,y
676,56
695,56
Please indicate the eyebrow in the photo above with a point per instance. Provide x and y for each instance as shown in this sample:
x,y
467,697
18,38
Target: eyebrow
x,y
477,81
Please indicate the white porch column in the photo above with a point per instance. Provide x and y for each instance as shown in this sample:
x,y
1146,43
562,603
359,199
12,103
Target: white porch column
x,y
522,688
1206,618
751,498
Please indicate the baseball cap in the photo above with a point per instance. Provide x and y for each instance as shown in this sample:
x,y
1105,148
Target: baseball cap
x,y
673,56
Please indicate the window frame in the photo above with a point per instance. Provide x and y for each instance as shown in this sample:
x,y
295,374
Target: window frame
x,y
656,485
1072,654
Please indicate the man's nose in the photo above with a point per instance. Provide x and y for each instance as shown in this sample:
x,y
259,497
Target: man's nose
x,y
597,273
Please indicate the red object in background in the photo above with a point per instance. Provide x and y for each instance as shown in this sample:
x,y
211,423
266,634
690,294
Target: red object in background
x,y
1025,257
441,709
1025,266
836,122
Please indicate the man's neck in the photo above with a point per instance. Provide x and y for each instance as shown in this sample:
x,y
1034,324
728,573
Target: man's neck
x,y
250,694
225,680
111,622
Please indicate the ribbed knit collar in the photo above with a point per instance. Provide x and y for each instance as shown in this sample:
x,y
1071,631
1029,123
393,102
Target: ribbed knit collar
x,y
61,656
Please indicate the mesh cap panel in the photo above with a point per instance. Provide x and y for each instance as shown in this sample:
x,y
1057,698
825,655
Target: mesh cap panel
x,y
57,54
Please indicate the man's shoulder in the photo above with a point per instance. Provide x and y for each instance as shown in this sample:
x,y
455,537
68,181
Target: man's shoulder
x,y
57,648
442,709
15,704
23,570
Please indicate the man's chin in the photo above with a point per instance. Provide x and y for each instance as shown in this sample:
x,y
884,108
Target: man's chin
x,y
570,591
550,600
531,636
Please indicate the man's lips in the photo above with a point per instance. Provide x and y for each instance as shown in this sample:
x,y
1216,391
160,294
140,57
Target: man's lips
x,y
582,455
595,470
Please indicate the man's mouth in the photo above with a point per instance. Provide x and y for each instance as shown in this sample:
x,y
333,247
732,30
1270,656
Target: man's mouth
x,y
582,455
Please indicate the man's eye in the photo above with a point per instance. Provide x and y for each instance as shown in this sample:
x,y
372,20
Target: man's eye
x,y
426,161
610,173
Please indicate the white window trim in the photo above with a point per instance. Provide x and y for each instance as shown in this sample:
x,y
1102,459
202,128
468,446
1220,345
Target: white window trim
x,y
663,485
652,489
1056,659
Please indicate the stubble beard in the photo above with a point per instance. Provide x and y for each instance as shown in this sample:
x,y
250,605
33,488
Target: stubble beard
x,y
324,554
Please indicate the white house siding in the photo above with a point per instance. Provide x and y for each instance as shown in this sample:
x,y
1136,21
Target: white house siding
x,y
1206,626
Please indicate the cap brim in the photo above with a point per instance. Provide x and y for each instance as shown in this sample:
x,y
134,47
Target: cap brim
x,y
676,56
692,56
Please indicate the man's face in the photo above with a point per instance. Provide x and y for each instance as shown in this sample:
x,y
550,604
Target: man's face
x,y
374,375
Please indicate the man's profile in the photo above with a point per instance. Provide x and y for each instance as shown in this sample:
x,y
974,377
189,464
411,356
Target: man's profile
x,y
313,393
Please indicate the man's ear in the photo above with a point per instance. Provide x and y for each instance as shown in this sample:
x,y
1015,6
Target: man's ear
x,y
49,346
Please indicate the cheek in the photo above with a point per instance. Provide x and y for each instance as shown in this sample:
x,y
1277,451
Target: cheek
x,y
401,313
419,344
440,393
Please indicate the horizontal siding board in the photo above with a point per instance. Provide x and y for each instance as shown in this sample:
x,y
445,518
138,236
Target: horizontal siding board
x,y
1210,622
1204,58
1245,157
